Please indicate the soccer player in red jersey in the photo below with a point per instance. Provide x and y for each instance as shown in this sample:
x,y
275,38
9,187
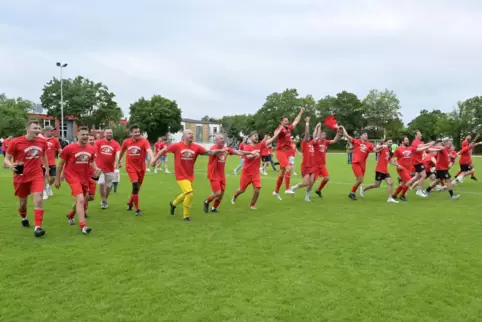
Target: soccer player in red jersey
x,y
107,151
216,174
137,148
465,161
53,147
442,167
404,168
185,156
361,149
321,147
241,159
267,159
283,147
161,144
417,160
25,157
5,145
250,174
77,161
308,165
292,156
381,171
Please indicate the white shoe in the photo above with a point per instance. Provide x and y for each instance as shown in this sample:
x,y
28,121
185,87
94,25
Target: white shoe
x,y
235,172
277,195
461,178
233,201
391,200
307,199
253,208
148,170
439,188
455,197
420,193
167,171
294,173
362,192
289,192
45,195
71,221
155,171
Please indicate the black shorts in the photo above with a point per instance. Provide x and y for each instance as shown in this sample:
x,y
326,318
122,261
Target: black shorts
x,y
381,176
428,173
442,174
266,158
466,167
52,170
4,152
419,168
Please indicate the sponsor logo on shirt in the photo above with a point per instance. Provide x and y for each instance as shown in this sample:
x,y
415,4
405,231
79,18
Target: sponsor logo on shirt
x,y
32,152
363,148
187,154
82,157
106,149
134,151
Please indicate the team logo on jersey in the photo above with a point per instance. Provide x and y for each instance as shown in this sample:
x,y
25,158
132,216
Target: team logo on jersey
x,y
106,149
50,145
134,151
187,154
222,157
363,148
322,148
407,154
32,152
82,157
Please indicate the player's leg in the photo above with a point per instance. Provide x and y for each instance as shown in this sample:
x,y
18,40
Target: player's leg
x,y
305,181
218,200
45,194
115,185
166,164
22,211
240,166
136,190
71,214
216,193
423,176
358,171
36,190
450,186
325,177
81,200
102,189
272,163
187,191
389,182
244,182
438,178
256,182
52,175
309,187
285,171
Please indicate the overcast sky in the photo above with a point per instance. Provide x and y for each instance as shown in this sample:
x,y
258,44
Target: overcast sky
x,y
224,57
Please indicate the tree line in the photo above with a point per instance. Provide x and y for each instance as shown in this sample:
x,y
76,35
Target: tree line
x,y
92,104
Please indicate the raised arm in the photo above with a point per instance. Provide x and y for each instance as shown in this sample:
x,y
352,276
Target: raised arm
x,y
298,117
317,133
345,133
307,129
274,137
379,147
336,138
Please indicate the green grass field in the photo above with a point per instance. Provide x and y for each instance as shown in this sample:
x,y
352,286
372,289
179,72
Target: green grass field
x,y
330,260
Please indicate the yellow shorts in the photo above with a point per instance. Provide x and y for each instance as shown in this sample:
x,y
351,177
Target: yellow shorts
x,y
185,185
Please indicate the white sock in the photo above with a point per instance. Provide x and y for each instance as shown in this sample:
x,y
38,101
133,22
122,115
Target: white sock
x,y
308,193
295,187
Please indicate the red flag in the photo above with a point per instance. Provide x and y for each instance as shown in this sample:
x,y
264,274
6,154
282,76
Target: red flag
x,y
330,121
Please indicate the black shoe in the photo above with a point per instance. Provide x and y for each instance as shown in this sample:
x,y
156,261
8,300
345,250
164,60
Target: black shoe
x,y
206,206
129,206
187,219
474,178
395,197
173,208
25,223
86,217
403,198
352,196
86,230
138,212
214,210
319,194
39,232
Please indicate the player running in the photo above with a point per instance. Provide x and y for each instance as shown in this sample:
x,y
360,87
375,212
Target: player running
x,y
382,173
267,159
185,156
136,149
465,161
161,144
25,156
216,174
283,148
241,159
107,152
321,147
76,161
417,161
442,167
53,147
250,174
404,166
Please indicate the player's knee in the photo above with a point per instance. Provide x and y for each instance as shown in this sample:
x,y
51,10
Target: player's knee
x,y
326,179
135,188
189,194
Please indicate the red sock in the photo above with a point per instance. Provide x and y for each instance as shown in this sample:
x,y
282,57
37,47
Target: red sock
x,y
287,180
216,204
404,190
279,182
136,201
39,217
22,213
353,189
442,183
251,204
131,200
82,224
210,198
399,189
322,185
458,173
71,214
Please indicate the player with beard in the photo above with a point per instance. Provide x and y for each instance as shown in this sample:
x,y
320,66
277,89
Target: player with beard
x,y
136,148
250,174
321,147
53,147
107,152
404,166
418,146
25,156
283,147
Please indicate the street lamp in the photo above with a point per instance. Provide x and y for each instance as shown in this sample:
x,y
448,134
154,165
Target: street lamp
x,y
61,66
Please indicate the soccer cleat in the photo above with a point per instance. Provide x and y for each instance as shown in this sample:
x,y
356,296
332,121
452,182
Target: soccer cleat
x,y
138,212
233,201
235,172
39,232
403,198
362,192
352,196
45,195
206,206
391,200
423,194
289,192
50,192
214,210
307,199
395,197
319,194
70,221
173,208
25,223
455,197
252,208
474,178
187,219
129,206
86,230
167,171
277,195
103,205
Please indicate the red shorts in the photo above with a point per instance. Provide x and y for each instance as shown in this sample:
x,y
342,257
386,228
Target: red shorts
x,y
218,185
77,188
307,170
136,175
283,157
246,180
404,175
23,190
92,187
322,172
358,169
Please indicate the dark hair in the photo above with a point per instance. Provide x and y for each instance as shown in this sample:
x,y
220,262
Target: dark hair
x,y
282,118
83,128
133,127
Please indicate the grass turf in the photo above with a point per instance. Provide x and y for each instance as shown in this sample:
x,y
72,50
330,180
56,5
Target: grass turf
x,y
331,260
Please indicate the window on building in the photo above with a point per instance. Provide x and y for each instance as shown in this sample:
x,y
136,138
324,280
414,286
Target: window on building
x,y
182,128
215,129
48,123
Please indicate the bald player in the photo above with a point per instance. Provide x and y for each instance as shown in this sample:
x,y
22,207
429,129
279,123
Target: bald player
x,y
185,155
216,173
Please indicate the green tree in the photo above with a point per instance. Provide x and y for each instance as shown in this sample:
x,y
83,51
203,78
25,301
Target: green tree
x,y
433,125
381,108
207,118
13,115
120,132
91,104
465,119
347,109
234,126
157,116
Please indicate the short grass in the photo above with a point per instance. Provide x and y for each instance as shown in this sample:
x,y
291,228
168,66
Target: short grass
x,y
331,260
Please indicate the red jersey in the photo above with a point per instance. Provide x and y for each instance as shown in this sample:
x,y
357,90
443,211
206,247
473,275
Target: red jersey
x,y
417,156
443,159
292,151
217,164
184,158
453,156
321,147
159,146
5,144
105,153
136,152
465,143
404,157
266,151
361,150
53,145
308,151
284,138
30,153
78,161
428,162
466,155
251,166
383,159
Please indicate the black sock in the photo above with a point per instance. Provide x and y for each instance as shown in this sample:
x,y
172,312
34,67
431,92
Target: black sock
x,y
429,189
451,193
